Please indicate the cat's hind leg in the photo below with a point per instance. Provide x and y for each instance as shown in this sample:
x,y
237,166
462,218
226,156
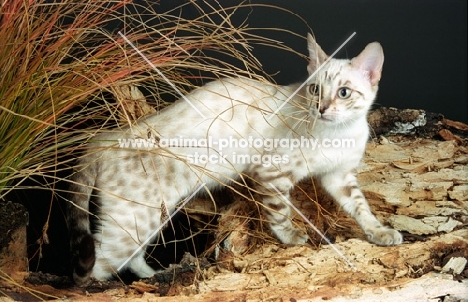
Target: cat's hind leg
x,y
344,189
121,241
105,268
139,267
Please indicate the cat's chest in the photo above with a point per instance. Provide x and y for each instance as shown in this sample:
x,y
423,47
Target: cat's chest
x,y
323,154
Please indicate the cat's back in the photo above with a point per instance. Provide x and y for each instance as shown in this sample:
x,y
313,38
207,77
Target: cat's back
x,y
218,99
227,103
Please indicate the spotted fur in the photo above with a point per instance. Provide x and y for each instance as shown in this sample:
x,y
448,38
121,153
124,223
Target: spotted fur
x,y
137,188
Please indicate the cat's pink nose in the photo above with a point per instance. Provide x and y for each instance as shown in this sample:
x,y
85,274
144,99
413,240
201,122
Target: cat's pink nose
x,y
323,108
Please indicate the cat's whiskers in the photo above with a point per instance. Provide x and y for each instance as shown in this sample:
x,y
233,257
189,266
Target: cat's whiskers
x,y
299,117
302,119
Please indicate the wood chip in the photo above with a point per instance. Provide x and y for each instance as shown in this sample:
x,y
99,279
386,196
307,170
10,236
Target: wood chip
x,y
448,226
449,136
459,193
455,265
455,124
411,225
143,287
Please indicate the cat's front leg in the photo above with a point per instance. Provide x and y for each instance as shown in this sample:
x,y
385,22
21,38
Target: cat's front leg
x,y
344,189
277,211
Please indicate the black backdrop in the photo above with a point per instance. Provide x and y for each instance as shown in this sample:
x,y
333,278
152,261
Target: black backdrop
x,y
424,42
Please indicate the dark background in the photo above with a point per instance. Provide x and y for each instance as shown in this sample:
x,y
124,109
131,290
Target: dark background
x,y
424,42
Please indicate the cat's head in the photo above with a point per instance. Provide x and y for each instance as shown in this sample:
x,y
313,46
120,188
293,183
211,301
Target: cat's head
x,y
342,90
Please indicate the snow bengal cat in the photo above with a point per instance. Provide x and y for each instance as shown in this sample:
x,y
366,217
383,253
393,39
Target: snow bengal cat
x,y
137,186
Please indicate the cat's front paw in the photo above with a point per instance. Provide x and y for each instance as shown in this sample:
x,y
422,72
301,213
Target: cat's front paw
x,y
384,236
291,236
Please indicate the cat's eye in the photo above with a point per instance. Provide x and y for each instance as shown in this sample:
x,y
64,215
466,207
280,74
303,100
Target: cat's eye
x,y
344,92
314,89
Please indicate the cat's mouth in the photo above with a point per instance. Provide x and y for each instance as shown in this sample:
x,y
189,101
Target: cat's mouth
x,y
327,118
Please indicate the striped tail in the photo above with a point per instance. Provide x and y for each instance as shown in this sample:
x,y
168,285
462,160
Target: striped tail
x,y
81,240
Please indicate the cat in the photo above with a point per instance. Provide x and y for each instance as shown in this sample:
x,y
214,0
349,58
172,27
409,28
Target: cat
x,y
245,129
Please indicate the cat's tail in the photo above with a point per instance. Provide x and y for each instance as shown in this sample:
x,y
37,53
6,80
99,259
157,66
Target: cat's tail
x,y
81,240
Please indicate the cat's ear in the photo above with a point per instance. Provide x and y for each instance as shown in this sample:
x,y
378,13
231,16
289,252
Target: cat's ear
x,y
316,55
370,62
